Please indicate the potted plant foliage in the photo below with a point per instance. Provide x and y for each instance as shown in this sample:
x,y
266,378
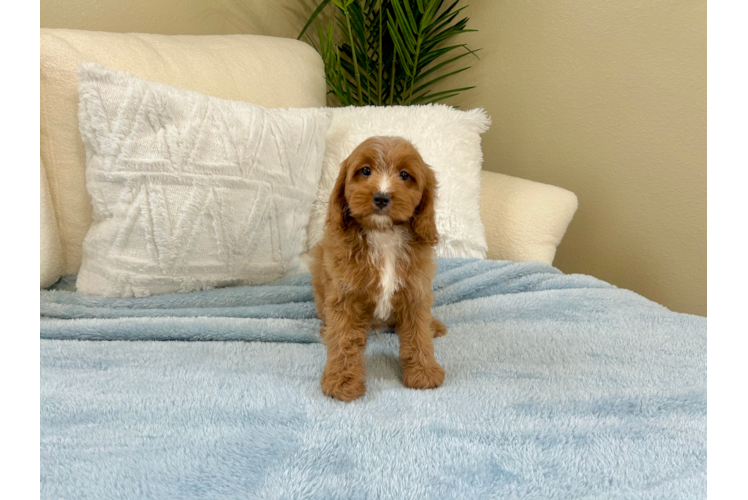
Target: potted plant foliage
x,y
390,52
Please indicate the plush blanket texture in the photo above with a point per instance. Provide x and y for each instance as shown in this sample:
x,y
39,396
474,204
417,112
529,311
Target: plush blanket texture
x,y
558,386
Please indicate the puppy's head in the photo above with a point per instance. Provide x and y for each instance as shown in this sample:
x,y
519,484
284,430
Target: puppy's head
x,y
385,182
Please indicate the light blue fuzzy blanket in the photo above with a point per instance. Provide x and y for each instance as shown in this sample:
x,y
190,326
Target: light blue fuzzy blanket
x,y
558,386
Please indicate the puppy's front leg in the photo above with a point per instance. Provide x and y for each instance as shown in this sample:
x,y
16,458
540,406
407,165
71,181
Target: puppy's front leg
x,y
420,369
344,333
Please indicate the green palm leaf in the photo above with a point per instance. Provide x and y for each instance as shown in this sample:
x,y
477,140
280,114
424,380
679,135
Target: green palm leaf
x,y
314,15
391,52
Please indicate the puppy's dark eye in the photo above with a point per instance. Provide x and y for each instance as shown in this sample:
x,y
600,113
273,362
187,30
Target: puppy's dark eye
x,y
404,175
366,171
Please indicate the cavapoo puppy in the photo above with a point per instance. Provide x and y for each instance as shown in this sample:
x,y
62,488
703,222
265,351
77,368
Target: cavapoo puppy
x,y
374,266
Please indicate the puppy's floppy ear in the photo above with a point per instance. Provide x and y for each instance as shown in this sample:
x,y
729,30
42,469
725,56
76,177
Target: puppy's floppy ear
x,y
338,213
423,221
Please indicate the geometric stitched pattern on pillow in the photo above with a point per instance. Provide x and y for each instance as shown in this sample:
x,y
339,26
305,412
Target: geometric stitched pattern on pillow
x,y
189,191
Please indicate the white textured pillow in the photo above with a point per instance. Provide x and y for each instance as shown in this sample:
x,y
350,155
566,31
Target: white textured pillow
x,y
270,71
448,140
190,191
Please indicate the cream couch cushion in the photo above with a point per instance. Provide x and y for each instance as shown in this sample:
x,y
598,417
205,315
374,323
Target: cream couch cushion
x,y
272,72
50,268
524,220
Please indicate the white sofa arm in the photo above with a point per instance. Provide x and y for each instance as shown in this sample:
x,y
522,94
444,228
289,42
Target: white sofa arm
x,y
50,251
524,220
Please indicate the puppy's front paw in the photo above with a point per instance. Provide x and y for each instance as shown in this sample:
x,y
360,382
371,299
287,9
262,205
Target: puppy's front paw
x,y
345,386
425,376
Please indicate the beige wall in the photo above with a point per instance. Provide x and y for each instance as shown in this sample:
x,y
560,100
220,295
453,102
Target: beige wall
x,y
180,17
605,98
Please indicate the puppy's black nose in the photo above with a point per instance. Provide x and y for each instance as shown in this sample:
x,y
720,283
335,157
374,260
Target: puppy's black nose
x,y
381,200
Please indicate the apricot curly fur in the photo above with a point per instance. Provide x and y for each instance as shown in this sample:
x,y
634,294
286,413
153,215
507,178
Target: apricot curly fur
x,y
374,266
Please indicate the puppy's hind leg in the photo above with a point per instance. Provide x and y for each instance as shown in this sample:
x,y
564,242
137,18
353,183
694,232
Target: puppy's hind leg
x,y
438,328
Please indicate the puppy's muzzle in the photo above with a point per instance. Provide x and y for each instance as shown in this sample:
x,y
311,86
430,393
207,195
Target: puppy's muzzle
x,y
382,200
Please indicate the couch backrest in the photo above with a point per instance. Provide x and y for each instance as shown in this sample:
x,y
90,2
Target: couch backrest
x,y
272,72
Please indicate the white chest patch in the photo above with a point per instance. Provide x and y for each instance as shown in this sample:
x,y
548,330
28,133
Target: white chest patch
x,y
387,249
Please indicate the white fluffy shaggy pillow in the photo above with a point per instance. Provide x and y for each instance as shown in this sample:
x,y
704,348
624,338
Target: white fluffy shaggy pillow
x,y
189,191
448,140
